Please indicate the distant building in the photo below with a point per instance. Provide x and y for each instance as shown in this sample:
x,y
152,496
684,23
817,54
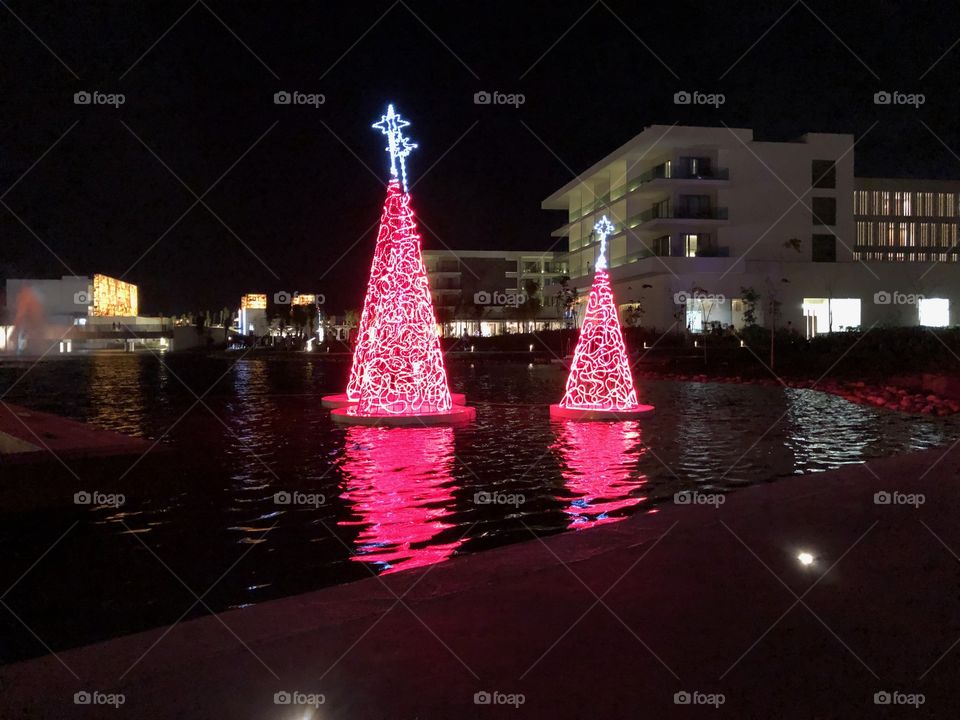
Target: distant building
x,y
252,318
479,292
707,217
77,312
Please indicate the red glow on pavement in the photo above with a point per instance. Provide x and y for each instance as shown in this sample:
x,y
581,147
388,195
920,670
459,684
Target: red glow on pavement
x,y
600,376
600,470
399,484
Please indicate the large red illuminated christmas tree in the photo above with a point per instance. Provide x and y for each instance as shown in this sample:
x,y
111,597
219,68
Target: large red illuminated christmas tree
x,y
364,348
404,375
371,307
600,385
398,364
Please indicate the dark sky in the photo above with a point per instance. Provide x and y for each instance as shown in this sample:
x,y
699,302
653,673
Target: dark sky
x,y
200,98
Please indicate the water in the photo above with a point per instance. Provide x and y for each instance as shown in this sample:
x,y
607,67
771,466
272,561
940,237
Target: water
x,y
201,516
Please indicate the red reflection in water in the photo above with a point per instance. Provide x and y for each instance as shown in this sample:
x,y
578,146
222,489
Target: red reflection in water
x,y
600,460
399,483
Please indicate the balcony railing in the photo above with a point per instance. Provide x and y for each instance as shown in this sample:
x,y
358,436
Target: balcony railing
x,y
675,172
660,172
682,213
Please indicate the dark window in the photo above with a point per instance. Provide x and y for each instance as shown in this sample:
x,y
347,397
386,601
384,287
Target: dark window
x,y
694,206
824,174
824,248
661,246
824,211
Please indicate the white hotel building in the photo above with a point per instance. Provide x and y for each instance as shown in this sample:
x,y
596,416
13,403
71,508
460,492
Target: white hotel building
x,y
710,212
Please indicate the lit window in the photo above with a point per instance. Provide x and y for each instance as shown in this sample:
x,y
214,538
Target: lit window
x,y
845,313
934,312
690,245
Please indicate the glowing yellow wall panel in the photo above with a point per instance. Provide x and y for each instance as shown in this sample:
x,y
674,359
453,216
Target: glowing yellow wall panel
x,y
114,298
254,301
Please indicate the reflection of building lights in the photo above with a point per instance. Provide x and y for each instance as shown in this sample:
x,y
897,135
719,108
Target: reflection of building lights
x,y
806,558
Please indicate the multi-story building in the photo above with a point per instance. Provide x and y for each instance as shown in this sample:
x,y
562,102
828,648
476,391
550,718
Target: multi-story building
x,y
480,292
95,312
713,225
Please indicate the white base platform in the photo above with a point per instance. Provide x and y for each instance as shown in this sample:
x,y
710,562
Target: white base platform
x,y
458,414
562,413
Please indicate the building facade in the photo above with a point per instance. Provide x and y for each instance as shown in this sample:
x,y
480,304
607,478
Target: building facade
x,y
713,226
77,312
484,293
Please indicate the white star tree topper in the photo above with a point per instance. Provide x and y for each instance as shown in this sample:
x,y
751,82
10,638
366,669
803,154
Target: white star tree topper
x,y
398,146
603,228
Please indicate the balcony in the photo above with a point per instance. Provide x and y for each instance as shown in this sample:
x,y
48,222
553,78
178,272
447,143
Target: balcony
x,y
657,213
671,171
665,171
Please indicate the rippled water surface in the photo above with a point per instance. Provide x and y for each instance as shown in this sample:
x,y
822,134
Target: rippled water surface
x,y
202,516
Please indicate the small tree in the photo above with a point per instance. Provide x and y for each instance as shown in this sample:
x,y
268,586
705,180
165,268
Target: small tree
x,y
774,302
750,298
532,304
566,299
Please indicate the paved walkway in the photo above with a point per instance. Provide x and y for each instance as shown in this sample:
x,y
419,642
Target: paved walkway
x,y
611,622
30,435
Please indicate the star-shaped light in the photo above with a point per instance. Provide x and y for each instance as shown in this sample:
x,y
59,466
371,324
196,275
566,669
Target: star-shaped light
x,y
603,228
398,146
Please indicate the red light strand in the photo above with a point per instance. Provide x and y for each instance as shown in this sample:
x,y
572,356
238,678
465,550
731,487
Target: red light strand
x,y
371,303
600,376
401,366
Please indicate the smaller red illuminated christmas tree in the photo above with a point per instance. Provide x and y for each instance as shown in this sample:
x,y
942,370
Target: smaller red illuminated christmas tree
x,y
600,384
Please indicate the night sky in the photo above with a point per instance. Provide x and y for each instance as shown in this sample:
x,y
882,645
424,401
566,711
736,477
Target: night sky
x,y
302,196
